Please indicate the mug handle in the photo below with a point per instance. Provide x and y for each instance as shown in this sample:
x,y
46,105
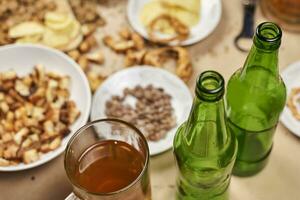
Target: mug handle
x,y
71,197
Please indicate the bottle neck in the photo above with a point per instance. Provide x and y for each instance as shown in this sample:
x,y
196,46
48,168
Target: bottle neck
x,y
264,51
203,111
205,130
263,58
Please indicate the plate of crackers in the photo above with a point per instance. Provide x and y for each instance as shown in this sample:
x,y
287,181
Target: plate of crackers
x,y
291,113
174,22
154,100
44,98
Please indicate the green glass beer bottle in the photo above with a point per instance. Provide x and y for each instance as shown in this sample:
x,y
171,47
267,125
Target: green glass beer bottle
x,y
204,150
255,97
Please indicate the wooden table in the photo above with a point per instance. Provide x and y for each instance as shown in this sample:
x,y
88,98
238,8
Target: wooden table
x,y
280,180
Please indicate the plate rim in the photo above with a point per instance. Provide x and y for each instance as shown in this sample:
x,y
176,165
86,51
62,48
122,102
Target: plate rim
x,y
57,152
189,41
139,68
284,116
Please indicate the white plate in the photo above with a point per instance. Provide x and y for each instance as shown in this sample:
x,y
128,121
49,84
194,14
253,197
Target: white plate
x,y
22,58
144,75
290,76
210,15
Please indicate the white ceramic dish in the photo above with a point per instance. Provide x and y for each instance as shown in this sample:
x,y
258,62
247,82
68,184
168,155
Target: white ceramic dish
x,y
290,76
22,58
210,15
145,75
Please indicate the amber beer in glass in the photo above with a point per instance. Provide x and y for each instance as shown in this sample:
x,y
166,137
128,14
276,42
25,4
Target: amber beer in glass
x,y
108,160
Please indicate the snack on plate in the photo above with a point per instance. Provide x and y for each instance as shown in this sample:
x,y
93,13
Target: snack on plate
x,y
184,13
26,29
158,57
192,6
86,12
133,46
128,41
88,57
294,102
13,12
35,114
181,31
152,111
60,30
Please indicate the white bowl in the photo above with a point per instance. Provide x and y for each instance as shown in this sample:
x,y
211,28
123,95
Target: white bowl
x,y
145,75
22,58
290,76
210,16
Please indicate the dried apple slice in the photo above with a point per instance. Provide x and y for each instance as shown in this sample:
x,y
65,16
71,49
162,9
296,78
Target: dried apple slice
x,y
54,39
190,19
189,5
56,17
75,30
147,15
73,44
58,21
62,39
31,39
26,29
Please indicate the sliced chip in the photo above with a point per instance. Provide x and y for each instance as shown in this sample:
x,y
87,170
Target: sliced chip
x,y
147,15
33,39
75,30
56,17
73,44
188,18
53,39
26,29
58,21
189,5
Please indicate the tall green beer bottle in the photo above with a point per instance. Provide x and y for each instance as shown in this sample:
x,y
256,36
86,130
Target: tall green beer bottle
x,y
204,150
255,97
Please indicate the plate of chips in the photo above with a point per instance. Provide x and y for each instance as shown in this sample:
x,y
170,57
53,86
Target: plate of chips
x,y
174,22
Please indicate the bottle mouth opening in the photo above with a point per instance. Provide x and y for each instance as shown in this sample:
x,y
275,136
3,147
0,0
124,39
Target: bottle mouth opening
x,y
269,32
210,85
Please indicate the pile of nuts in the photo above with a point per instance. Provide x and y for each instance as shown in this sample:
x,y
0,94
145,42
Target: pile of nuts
x,y
86,12
35,114
153,113
87,54
13,12
133,46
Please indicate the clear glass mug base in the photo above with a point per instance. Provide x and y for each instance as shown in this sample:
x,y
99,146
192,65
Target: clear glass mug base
x,y
72,196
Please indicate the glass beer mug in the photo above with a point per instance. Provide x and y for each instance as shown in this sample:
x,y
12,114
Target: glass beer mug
x,y
286,13
108,159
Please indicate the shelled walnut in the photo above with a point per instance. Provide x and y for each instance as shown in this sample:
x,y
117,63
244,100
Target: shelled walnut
x,y
35,114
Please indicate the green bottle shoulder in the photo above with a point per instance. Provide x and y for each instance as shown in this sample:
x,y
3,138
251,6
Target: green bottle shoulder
x,y
224,156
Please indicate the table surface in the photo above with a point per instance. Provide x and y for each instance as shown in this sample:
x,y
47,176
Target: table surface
x,y
279,180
